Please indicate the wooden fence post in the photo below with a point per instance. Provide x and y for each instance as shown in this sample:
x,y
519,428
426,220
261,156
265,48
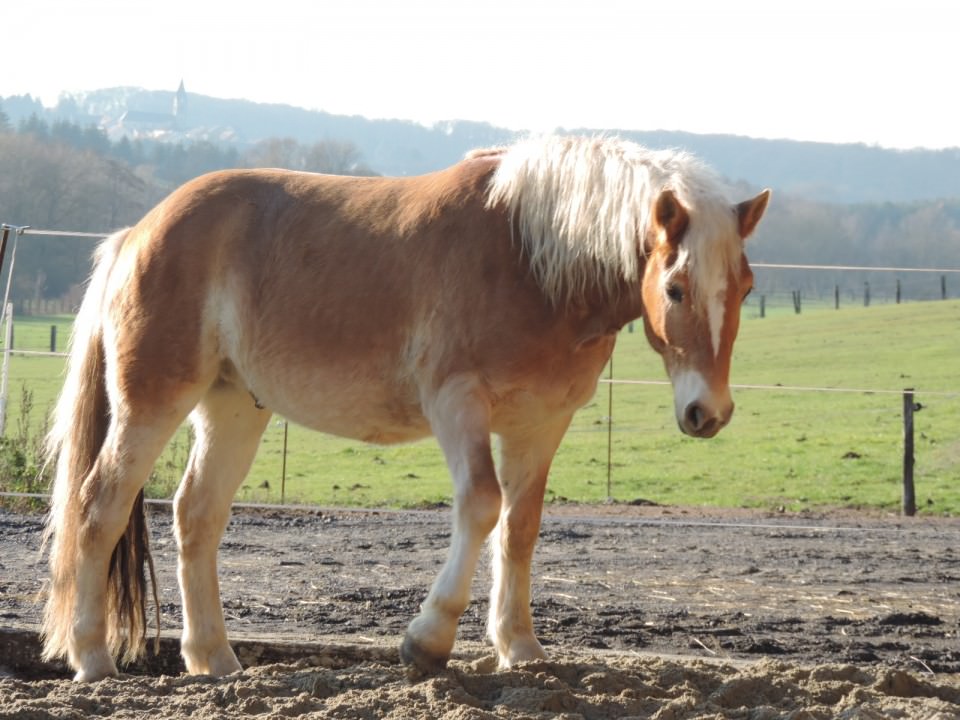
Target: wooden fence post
x,y
898,291
5,372
283,467
943,287
909,506
836,297
53,338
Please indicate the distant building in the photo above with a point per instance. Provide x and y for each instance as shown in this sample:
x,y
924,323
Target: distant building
x,y
180,101
144,122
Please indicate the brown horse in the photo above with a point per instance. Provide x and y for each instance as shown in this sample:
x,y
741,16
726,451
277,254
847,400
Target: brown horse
x,y
484,298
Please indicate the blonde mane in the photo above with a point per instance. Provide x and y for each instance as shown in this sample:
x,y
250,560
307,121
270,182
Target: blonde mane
x,y
583,205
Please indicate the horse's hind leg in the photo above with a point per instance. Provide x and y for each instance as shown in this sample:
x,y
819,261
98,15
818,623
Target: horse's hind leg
x,y
120,471
460,417
228,427
525,462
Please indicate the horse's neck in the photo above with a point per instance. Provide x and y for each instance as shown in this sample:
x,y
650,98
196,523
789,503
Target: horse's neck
x,y
609,312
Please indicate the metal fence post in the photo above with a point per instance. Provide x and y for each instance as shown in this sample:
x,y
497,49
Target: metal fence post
x,y
610,434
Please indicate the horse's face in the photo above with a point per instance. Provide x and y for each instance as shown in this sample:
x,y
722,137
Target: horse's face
x,y
693,287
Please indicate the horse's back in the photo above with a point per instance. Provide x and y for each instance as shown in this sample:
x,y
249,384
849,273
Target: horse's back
x,y
333,300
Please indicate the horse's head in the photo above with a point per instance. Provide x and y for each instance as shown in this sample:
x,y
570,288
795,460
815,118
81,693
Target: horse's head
x,y
695,278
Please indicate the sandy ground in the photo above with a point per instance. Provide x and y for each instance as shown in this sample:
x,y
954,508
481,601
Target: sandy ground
x,y
646,612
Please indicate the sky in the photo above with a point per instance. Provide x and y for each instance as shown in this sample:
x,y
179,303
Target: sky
x,y
882,72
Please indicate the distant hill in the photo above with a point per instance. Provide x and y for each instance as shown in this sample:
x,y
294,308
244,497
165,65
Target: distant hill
x,y
833,173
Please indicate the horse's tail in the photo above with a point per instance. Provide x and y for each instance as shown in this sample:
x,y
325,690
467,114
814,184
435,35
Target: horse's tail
x,y
79,429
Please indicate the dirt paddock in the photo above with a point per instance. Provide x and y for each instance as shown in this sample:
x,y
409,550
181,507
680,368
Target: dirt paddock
x,y
646,613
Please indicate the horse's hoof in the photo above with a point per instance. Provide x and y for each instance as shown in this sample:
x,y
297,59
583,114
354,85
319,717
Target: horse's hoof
x,y
95,674
421,662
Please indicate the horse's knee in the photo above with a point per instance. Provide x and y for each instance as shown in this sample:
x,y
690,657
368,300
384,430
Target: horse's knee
x,y
184,525
480,506
199,517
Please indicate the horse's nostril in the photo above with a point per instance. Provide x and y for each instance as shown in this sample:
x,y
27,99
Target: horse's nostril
x,y
695,416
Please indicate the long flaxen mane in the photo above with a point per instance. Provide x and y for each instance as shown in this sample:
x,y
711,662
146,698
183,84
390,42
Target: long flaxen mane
x,y
583,206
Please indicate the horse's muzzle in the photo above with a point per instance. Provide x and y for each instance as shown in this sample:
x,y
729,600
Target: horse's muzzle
x,y
700,421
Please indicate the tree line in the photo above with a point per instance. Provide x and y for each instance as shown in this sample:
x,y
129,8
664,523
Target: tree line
x,y
922,234
61,175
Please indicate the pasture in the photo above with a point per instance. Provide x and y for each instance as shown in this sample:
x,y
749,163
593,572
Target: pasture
x,y
784,449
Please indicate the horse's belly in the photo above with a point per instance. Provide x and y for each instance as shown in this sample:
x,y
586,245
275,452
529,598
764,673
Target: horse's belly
x,y
364,410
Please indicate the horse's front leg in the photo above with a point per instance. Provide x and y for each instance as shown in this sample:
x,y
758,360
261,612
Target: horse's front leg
x,y
525,462
460,416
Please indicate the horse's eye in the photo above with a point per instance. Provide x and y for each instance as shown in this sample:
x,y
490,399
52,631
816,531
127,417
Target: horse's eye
x,y
675,293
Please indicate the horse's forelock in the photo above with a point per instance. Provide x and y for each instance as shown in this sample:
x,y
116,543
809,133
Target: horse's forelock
x,y
712,248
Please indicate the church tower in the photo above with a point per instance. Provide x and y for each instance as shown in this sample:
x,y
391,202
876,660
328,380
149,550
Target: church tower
x,y
180,101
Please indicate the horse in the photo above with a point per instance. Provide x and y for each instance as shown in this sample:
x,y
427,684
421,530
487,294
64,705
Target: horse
x,y
476,301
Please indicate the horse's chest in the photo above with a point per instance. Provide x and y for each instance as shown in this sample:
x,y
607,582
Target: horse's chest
x,y
555,385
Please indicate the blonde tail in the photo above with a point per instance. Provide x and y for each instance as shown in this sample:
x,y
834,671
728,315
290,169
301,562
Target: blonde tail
x,y
79,429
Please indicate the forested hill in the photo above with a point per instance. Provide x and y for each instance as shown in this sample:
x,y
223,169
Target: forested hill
x,y
99,161
815,171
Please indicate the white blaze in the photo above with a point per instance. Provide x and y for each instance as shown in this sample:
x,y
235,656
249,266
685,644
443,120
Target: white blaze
x,y
688,386
715,313
716,303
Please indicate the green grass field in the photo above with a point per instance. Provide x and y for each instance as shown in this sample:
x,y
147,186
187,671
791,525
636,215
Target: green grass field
x,y
784,448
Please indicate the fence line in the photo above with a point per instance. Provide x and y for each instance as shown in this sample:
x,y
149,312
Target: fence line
x,y
908,502
858,268
27,230
794,388
907,394
630,381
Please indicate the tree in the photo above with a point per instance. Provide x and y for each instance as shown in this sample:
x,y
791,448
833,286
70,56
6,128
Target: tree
x,y
51,185
276,153
338,157
36,126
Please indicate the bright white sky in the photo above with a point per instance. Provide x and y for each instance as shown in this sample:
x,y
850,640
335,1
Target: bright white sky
x,y
874,71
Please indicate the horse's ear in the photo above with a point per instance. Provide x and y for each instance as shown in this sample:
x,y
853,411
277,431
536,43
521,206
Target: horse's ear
x,y
671,216
749,213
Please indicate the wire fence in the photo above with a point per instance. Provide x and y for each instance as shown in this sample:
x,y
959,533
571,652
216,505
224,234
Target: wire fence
x,y
609,445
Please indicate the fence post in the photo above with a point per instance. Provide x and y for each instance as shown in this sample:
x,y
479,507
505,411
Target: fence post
x,y
836,297
943,287
796,301
763,306
53,338
866,294
5,372
4,236
610,434
898,291
909,506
